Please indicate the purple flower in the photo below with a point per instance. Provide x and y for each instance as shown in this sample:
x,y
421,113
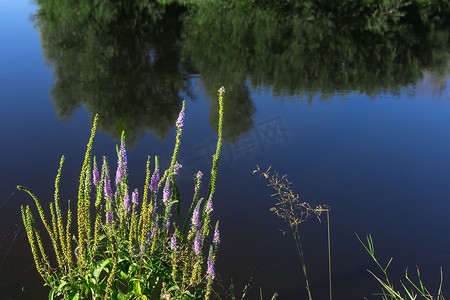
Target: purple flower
x,y
152,235
123,154
195,220
167,224
116,195
177,167
173,243
216,238
105,176
221,90
197,246
154,181
210,264
122,163
209,206
119,175
95,174
108,191
181,116
109,217
155,207
126,203
148,240
199,175
166,193
134,197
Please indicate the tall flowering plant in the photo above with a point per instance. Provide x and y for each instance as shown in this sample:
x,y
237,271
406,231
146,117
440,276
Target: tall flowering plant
x,y
132,247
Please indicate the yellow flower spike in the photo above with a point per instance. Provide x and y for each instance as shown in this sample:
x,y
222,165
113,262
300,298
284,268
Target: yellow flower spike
x,y
68,239
144,202
39,208
212,185
27,221
83,198
56,245
58,209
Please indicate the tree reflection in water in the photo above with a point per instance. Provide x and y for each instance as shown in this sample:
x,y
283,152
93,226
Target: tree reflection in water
x,y
131,61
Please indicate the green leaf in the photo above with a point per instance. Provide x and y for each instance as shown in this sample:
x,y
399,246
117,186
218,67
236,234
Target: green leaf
x,y
173,288
51,294
121,296
122,275
100,268
137,288
62,286
73,296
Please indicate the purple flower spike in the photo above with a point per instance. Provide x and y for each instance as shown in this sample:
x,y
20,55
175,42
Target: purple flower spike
x,y
109,217
168,224
173,243
123,154
209,206
134,197
199,175
116,195
221,90
148,241
96,174
108,191
119,175
152,235
210,264
126,203
216,238
177,167
195,220
154,181
122,163
155,207
180,119
197,247
166,193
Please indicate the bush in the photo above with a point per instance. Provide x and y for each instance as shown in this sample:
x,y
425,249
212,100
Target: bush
x,y
134,249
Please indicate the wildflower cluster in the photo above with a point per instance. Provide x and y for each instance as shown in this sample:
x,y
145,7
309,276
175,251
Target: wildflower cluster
x,y
135,249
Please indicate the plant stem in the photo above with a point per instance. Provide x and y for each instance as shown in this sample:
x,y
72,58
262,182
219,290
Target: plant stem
x,y
302,258
329,253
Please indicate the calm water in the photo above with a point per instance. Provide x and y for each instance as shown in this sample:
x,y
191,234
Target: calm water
x,y
363,130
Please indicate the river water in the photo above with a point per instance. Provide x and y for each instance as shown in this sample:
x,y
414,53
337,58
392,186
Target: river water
x,y
362,126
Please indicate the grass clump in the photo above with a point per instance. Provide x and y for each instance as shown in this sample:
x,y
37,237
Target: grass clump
x,y
289,208
416,290
131,247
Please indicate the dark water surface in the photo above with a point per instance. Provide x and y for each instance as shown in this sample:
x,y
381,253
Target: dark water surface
x,y
362,127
